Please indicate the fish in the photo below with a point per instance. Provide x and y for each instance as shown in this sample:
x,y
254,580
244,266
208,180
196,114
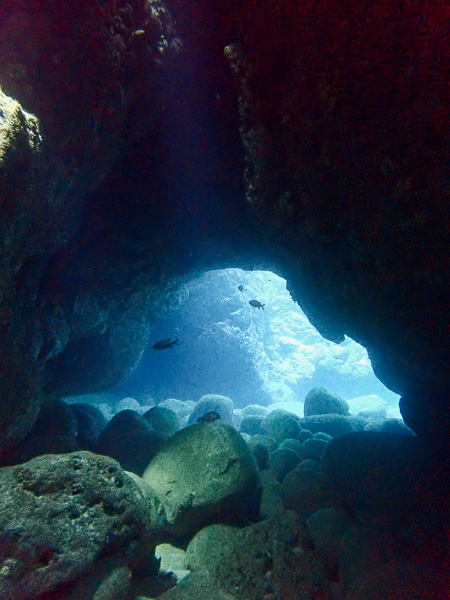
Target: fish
x,y
209,417
138,32
163,344
256,304
241,288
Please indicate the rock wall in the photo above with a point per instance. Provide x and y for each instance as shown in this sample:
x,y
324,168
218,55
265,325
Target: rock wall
x,y
127,179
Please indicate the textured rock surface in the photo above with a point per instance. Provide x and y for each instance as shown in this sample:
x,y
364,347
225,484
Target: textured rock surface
x,y
59,514
339,165
204,472
320,401
281,425
270,558
346,175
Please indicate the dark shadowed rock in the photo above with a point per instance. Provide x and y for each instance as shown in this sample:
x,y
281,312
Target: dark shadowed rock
x,y
295,445
55,418
305,491
373,565
314,448
91,423
261,454
320,401
282,461
241,558
326,527
130,439
389,481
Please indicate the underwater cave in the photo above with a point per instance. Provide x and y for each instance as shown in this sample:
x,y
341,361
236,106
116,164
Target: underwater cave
x,y
224,300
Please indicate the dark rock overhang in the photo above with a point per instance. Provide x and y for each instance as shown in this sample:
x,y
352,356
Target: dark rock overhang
x,y
136,183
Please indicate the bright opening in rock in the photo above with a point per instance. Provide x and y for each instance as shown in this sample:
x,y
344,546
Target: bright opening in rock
x,y
269,355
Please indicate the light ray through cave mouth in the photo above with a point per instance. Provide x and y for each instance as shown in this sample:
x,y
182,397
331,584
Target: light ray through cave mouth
x,y
269,355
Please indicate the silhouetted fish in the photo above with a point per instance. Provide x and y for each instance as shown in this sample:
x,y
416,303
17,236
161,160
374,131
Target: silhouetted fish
x,y
209,417
241,288
163,344
256,304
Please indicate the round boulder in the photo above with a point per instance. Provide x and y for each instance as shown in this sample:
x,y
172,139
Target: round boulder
x,y
320,401
282,461
163,420
130,439
281,424
209,403
91,423
251,424
314,448
55,418
305,491
205,472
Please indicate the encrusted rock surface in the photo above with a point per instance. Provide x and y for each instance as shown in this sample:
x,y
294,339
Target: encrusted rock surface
x,y
60,513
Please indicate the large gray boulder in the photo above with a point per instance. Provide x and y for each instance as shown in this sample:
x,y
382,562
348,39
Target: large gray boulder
x,y
60,513
320,401
204,472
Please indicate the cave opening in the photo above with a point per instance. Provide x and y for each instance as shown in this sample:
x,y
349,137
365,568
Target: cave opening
x,y
228,344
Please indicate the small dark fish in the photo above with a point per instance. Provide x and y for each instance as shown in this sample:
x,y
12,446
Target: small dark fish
x,y
256,304
209,417
241,288
163,344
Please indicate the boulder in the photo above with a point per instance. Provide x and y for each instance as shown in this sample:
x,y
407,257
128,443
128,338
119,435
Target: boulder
x,y
163,420
55,418
252,424
128,403
395,426
213,402
334,425
309,463
59,514
320,401
266,440
203,473
271,504
282,461
91,423
305,491
281,424
264,560
261,454
33,446
179,407
314,448
295,445
130,439
254,410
